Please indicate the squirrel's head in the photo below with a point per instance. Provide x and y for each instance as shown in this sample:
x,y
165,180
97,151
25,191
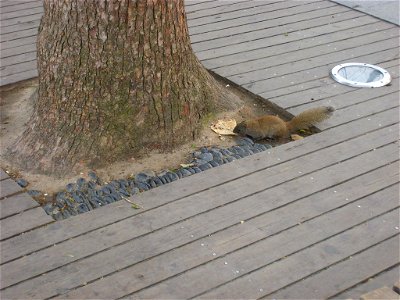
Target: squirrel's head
x,y
240,128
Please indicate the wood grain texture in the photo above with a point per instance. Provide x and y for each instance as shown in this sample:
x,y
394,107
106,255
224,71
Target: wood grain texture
x,y
23,222
16,204
9,187
298,221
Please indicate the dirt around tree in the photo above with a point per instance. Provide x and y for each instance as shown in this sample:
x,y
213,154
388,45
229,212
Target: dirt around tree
x,y
17,106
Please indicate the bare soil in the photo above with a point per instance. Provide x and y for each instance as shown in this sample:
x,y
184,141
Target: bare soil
x,y
16,107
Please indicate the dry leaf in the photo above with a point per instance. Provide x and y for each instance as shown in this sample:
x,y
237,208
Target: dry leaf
x,y
224,127
296,137
186,165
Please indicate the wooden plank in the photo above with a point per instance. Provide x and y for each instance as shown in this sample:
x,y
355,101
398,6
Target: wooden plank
x,y
256,80
220,242
343,275
16,59
3,175
35,240
345,98
194,7
18,77
19,20
310,260
256,15
324,89
18,68
6,38
16,204
332,47
222,12
18,50
380,294
19,42
5,3
120,232
21,6
21,26
23,222
21,13
9,187
309,42
290,15
277,260
325,28
377,281
279,32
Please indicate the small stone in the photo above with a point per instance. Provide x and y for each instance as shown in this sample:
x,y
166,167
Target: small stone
x,y
164,179
226,152
152,183
70,187
135,190
199,162
80,182
245,141
196,169
203,150
206,157
191,170
48,208
205,167
213,163
230,158
142,177
172,176
185,172
34,193
143,186
22,182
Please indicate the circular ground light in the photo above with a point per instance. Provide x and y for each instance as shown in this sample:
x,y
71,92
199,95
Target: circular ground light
x,y
360,75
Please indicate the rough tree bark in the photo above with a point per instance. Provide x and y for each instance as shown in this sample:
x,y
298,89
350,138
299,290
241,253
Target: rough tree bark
x,y
116,78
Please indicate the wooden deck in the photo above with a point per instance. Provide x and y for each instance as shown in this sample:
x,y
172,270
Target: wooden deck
x,y
316,218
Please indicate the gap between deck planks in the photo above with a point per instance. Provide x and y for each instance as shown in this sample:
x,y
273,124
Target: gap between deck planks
x,y
34,241
236,189
233,250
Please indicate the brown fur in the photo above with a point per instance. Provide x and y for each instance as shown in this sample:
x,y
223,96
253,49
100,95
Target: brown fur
x,y
272,126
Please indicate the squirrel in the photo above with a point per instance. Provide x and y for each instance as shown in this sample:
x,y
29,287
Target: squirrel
x,y
270,126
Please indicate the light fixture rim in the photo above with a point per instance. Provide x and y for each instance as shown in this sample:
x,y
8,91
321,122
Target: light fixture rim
x,y
384,81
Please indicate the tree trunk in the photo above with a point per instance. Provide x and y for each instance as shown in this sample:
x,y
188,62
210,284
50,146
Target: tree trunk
x,y
116,78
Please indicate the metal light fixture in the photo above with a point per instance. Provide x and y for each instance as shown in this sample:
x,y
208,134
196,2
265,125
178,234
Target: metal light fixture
x,y
360,75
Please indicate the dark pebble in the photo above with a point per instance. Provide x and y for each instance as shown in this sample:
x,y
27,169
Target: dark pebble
x,y
152,183
226,152
237,156
196,169
65,213
106,190
245,141
34,193
142,177
22,182
70,187
157,181
191,170
179,173
143,186
205,167
164,179
80,182
196,153
108,199
124,192
206,157
48,208
185,172
213,163
135,190
172,176
203,150
199,162
81,208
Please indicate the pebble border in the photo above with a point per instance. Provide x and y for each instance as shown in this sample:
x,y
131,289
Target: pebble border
x,y
85,195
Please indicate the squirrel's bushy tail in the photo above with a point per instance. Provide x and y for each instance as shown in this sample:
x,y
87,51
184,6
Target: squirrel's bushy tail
x,y
309,117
